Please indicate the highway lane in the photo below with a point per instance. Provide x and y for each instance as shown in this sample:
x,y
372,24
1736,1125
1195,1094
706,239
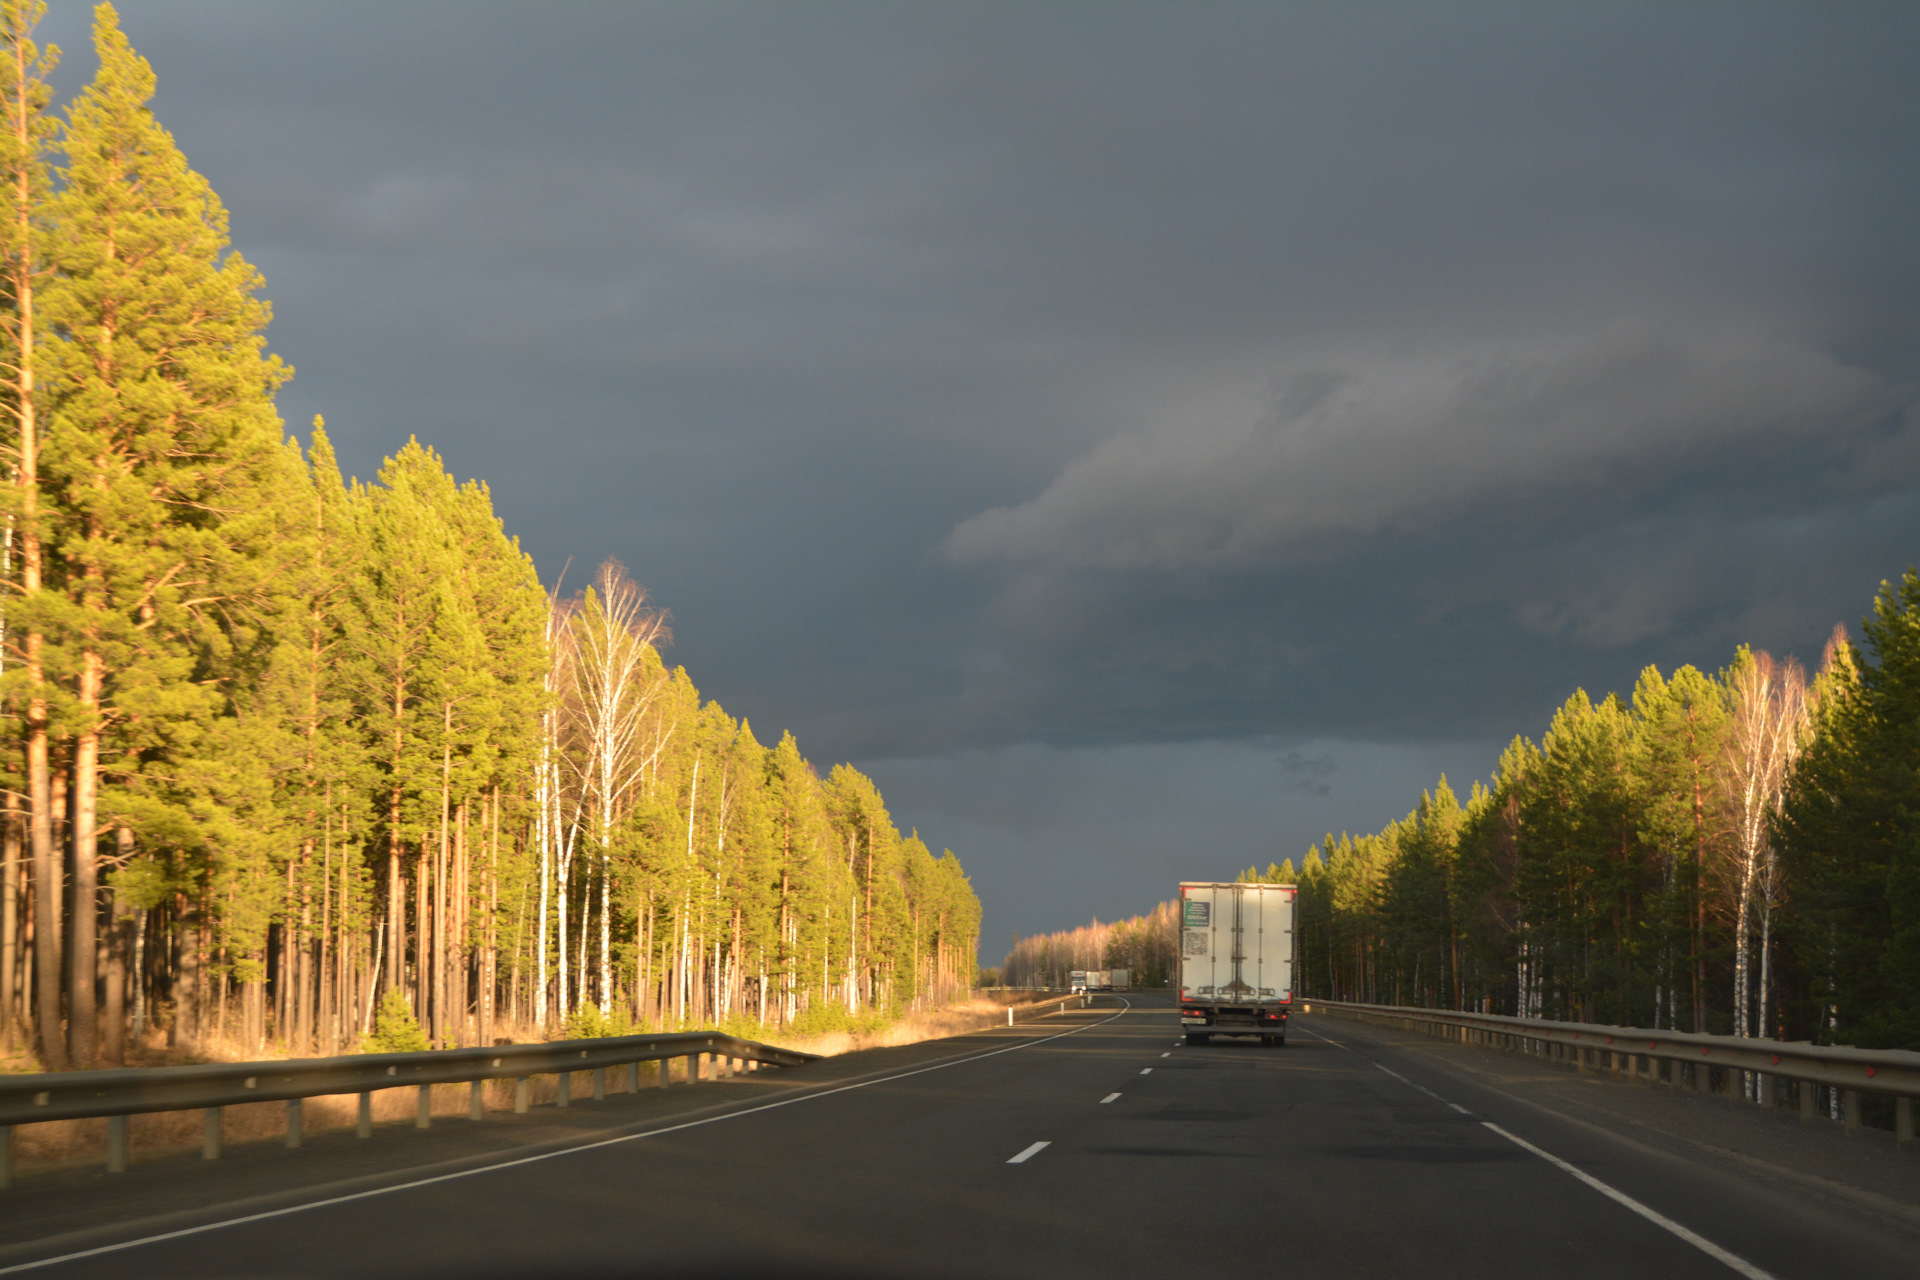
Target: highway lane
x,y
1342,1154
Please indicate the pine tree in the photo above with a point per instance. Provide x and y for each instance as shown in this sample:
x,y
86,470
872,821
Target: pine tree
x,y
1846,835
1680,739
163,437
26,134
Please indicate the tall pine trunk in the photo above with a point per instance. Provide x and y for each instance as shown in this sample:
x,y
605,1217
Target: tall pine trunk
x,y
24,104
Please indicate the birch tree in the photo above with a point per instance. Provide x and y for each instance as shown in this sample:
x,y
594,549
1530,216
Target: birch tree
x,y
610,697
1767,730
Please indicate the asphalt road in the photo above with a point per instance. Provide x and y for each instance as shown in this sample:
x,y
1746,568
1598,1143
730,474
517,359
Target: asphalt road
x,y
1098,1145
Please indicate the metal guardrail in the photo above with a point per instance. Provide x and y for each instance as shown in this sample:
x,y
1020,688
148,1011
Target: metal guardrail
x,y
119,1093
1847,1071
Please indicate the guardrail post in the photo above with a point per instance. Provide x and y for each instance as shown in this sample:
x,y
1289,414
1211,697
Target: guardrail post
x,y
1808,1101
210,1138
566,1089
522,1095
363,1126
477,1100
423,1109
116,1144
633,1077
1850,1110
1903,1122
693,1068
1763,1089
599,1084
293,1123
666,1072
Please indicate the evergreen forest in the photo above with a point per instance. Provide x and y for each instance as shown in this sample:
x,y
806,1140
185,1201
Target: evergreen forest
x,y
297,763
1147,947
1734,852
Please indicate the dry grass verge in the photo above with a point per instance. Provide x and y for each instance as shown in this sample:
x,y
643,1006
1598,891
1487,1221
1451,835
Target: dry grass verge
x,y
60,1144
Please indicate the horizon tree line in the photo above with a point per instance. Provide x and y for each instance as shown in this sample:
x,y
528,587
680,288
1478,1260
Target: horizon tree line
x,y
1731,852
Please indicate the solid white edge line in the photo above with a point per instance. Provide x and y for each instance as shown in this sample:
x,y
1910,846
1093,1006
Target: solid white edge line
x,y
1652,1215
1109,1098
264,1215
1030,1153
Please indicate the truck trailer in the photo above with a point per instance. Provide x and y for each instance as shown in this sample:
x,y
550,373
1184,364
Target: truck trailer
x,y
1236,960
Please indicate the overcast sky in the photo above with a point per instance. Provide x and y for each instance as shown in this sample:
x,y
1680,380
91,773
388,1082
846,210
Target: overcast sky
x,y
1143,437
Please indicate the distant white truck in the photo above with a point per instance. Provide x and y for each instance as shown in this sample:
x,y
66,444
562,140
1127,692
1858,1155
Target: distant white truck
x,y
1236,960
1117,979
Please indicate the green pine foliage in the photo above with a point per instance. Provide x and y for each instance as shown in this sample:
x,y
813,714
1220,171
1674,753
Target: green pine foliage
x,y
321,762
395,1029
1598,876
1849,838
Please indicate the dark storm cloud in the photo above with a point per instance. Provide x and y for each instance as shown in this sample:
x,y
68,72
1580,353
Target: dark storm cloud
x,y
968,377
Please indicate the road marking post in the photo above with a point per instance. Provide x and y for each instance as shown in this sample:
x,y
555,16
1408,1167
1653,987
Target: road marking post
x,y
1030,1153
116,1144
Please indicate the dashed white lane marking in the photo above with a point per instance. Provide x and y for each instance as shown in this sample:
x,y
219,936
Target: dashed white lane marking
x,y
1146,1071
1030,1153
959,1060
1109,1098
1658,1219
1167,1054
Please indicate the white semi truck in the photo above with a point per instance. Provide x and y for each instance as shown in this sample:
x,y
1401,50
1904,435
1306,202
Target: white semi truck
x,y
1236,960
